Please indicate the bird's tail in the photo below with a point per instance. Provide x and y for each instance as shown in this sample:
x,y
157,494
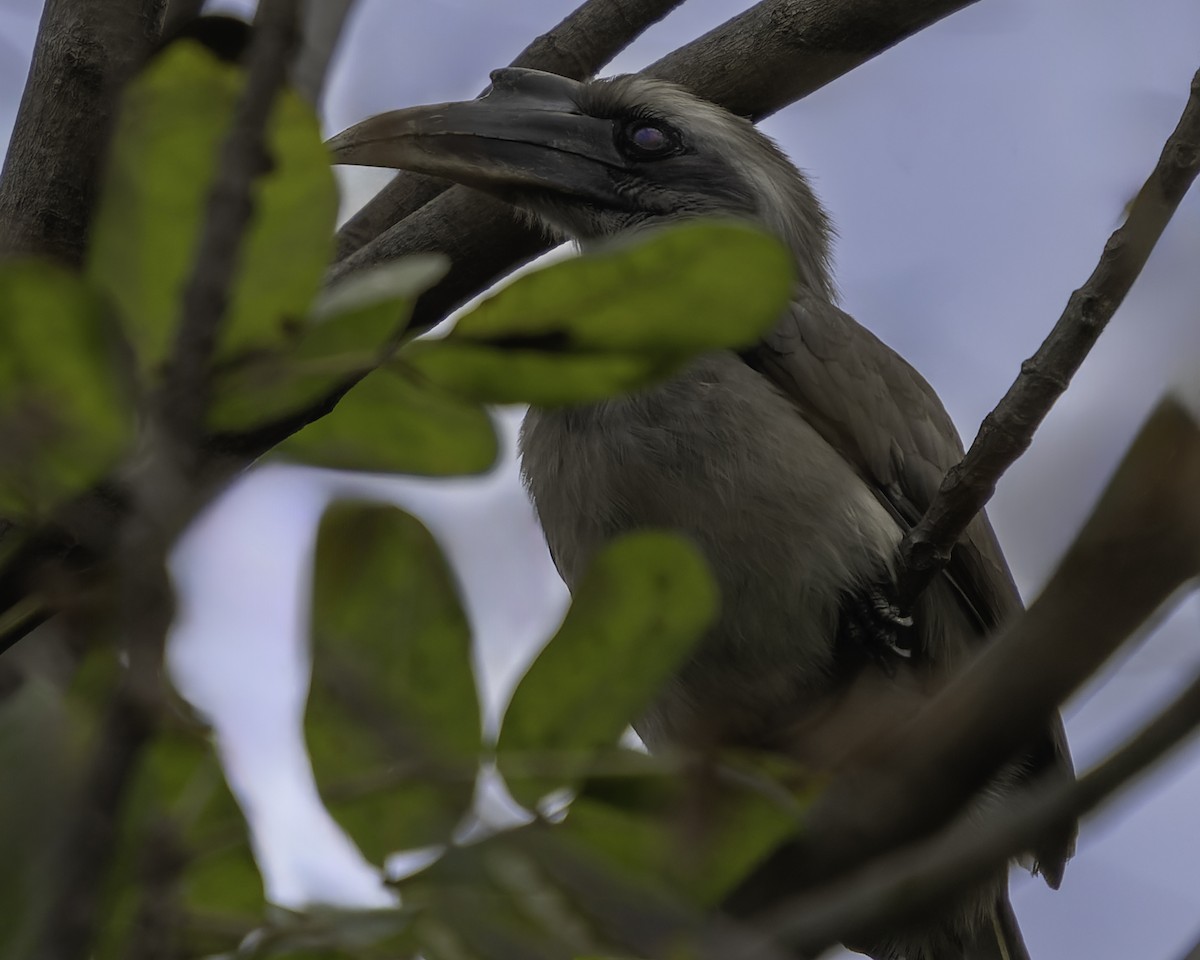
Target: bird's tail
x,y
1000,937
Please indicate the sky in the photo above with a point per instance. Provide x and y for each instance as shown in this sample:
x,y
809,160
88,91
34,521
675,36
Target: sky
x,y
974,173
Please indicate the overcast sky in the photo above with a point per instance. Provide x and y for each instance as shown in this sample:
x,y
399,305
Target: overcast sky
x,y
974,173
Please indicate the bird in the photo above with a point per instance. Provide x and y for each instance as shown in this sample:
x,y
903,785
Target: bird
x,y
796,465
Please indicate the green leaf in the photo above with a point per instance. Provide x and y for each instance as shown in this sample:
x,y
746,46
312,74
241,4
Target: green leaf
x,y
642,605
490,374
614,319
182,847
691,832
65,416
689,288
393,703
351,329
389,423
38,767
173,120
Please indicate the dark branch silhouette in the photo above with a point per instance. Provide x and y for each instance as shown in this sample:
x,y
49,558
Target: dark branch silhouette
x,y
1008,430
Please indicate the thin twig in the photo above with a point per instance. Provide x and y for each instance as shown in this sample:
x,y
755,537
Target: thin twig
x,y
84,54
1008,430
230,206
581,44
1140,545
917,878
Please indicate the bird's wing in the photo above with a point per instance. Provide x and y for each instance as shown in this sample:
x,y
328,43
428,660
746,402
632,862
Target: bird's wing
x,y
882,416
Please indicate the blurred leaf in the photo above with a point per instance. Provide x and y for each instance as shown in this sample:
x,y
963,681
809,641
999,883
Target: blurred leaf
x,y
390,424
392,681
335,933
182,850
64,413
614,319
642,605
37,766
491,374
696,832
351,329
384,288
173,120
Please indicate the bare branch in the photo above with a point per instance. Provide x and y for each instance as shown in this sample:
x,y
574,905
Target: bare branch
x,y
1008,430
1140,545
322,29
1194,953
84,54
579,46
918,878
230,205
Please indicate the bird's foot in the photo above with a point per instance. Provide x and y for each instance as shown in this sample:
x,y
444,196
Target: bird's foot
x,y
873,627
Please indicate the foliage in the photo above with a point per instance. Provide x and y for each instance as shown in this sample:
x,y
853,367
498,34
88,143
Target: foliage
x,y
393,722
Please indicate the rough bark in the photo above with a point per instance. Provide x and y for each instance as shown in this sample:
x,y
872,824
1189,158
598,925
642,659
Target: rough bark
x,y
84,55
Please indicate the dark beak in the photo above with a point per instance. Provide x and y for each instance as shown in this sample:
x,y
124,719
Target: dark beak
x,y
526,133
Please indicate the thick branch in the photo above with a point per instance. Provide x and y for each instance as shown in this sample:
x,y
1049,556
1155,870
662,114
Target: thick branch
x,y
1140,545
916,879
1008,430
579,46
84,54
230,205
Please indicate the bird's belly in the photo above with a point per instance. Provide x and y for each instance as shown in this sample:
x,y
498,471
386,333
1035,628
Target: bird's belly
x,y
785,523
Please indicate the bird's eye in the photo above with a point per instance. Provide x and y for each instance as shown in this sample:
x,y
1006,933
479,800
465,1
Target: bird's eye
x,y
647,140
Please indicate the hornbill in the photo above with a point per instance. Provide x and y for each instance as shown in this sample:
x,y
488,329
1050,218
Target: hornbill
x,y
796,465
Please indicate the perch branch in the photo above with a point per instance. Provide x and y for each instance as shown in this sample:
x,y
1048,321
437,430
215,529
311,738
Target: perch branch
x,y
1007,431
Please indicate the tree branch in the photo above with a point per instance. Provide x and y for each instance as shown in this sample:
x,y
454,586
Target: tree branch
x,y
579,46
89,836
230,206
1140,545
916,879
1194,953
84,54
1008,430
322,29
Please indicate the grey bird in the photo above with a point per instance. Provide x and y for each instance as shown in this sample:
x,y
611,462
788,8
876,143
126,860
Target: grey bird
x,y
796,465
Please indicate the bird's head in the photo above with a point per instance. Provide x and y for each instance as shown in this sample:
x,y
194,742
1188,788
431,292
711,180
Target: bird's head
x,y
602,157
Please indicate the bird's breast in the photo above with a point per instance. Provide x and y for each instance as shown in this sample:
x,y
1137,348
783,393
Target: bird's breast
x,y
785,523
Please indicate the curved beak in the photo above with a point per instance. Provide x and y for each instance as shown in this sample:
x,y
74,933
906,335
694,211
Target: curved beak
x,y
526,132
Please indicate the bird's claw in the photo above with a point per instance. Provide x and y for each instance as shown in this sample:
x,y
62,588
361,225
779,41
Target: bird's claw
x,y
874,627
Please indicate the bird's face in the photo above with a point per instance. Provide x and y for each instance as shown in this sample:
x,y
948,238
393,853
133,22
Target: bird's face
x,y
599,158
